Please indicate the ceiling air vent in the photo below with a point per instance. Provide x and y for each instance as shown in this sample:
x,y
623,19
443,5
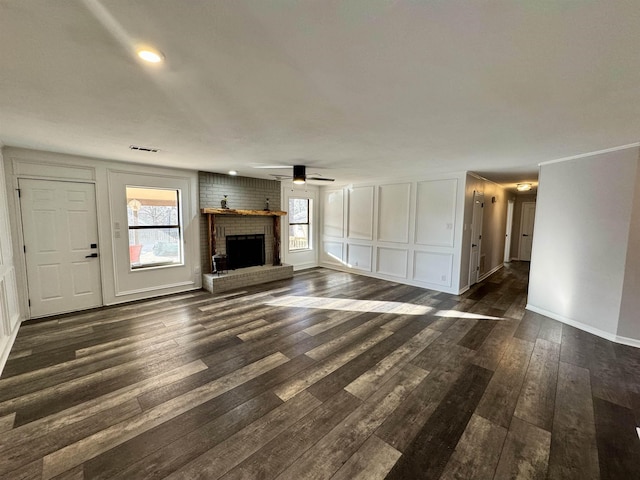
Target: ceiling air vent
x,y
143,149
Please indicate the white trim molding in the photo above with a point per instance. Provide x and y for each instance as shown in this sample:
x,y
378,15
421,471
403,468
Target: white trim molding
x,y
632,342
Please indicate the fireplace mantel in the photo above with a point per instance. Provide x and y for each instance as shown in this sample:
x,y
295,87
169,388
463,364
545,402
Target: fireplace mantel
x,y
276,214
231,211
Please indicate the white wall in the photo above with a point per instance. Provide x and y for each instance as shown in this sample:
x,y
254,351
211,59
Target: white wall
x,y
581,239
406,231
119,283
494,225
300,259
629,324
9,307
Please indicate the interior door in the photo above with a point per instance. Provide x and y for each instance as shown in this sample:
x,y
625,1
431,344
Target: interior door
x,y
526,230
476,237
507,235
61,246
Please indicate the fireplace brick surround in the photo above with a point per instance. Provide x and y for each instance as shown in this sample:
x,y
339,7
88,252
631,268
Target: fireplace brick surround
x,y
243,193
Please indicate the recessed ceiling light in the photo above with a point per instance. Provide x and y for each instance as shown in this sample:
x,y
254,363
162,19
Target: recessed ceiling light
x,y
233,172
150,55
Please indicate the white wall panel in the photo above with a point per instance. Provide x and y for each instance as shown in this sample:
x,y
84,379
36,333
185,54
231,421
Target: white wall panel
x,y
359,256
393,212
381,227
434,268
392,261
333,252
333,217
361,213
436,212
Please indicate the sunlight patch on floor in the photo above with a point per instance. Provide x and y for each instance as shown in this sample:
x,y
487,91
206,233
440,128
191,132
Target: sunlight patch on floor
x,y
350,305
457,314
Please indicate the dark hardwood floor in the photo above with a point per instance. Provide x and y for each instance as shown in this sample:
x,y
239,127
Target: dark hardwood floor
x,y
327,375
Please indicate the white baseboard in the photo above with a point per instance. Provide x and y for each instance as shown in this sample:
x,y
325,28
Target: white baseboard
x,y
5,347
491,272
632,342
463,289
304,266
389,278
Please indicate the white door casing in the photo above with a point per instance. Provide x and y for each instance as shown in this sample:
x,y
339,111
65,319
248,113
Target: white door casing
x,y
476,237
60,232
526,230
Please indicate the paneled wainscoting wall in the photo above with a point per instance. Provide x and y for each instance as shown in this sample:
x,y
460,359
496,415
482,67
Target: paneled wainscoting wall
x,y
327,375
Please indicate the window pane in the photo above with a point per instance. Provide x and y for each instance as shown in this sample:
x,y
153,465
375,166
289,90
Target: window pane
x,y
154,246
153,217
298,210
152,207
298,237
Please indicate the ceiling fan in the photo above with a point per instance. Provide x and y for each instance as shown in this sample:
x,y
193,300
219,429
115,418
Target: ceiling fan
x,y
299,174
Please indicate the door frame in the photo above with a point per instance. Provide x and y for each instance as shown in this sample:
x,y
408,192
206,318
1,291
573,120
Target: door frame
x,y
19,240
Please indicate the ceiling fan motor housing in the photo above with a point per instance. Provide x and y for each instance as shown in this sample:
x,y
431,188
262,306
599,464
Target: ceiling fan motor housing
x,y
299,173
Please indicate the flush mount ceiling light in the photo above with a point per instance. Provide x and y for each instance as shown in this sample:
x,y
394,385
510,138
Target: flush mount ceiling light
x,y
143,149
150,55
523,187
233,172
299,174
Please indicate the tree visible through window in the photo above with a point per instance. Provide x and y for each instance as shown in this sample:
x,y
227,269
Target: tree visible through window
x,y
153,217
299,209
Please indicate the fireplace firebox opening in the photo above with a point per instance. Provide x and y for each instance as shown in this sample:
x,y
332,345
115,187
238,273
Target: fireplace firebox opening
x,y
245,251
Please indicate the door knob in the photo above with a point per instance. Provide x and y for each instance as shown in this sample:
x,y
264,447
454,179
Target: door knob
x,y
473,245
525,235
93,255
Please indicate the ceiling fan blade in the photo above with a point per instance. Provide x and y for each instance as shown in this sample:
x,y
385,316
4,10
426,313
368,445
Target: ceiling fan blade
x,y
321,179
278,167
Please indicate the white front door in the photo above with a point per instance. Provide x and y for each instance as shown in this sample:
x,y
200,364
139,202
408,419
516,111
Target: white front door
x,y
61,246
526,230
476,237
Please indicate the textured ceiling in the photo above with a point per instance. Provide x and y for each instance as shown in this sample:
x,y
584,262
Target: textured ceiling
x,y
356,90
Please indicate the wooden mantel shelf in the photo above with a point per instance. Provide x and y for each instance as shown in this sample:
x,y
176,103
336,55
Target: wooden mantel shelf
x,y
275,214
231,211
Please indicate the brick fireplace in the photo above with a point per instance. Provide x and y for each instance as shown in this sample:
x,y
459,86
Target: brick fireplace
x,y
243,193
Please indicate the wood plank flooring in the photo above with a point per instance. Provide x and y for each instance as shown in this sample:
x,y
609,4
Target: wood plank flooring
x,y
324,376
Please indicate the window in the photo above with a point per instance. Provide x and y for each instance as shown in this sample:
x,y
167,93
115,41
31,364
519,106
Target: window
x,y
155,235
299,213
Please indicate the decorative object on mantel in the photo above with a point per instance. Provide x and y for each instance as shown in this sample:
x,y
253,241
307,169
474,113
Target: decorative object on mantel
x,y
266,205
224,203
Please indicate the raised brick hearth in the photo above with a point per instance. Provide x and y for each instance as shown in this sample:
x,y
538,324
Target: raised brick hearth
x,y
245,277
